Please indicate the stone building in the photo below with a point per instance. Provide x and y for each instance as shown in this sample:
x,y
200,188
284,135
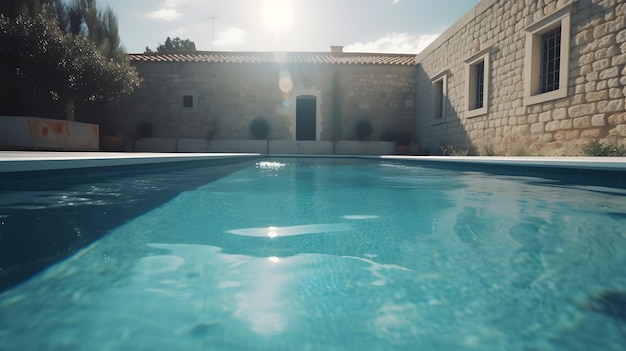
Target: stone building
x,y
511,77
540,77
303,96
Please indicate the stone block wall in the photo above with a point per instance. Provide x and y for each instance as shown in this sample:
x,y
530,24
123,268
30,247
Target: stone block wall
x,y
383,94
227,96
594,105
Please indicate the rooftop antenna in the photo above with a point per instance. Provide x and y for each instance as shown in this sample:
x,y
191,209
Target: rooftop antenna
x,y
213,33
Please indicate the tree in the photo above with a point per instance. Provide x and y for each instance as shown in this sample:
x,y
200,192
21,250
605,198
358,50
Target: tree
x,y
71,50
14,8
82,17
70,66
174,45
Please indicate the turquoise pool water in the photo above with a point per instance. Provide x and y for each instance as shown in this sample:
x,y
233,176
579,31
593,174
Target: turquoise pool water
x,y
340,254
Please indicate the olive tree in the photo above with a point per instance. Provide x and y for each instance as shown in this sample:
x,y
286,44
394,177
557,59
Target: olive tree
x,y
68,51
174,45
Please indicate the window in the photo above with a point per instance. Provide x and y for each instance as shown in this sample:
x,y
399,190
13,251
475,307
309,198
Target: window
x,y
477,87
546,61
550,60
188,101
478,71
439,96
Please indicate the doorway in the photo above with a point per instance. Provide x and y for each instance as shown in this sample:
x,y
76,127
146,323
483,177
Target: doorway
x,y
306,117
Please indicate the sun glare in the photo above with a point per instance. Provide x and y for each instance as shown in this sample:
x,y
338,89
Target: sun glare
x,y
277,15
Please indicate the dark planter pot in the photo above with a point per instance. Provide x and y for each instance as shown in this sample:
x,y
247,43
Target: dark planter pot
x,y
402,149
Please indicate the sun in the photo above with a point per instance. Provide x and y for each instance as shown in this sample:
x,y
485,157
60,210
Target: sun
x,y
277,15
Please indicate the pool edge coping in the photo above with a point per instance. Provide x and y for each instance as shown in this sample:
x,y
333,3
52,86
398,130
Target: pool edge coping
x,y
25,161
11,162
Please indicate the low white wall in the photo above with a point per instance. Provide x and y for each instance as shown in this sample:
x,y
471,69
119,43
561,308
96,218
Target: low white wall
x,y
18,132
276,147
200,145
239,145
355,147
304,147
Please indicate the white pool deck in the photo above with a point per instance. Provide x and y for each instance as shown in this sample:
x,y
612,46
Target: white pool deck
x,y
21,161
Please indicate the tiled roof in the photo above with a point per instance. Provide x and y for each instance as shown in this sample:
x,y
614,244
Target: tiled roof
x,y
280,57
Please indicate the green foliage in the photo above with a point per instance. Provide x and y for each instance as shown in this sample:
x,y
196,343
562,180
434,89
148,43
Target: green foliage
x,y
596,148
363,129
259,128
449,150
83,17
488,150
174,45
70,66
520,151
14,8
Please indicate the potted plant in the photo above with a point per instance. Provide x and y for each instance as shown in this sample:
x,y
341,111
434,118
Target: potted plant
x,y
259,128
363,129
403,140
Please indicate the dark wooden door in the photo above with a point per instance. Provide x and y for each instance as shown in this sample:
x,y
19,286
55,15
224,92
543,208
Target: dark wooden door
x,y
306,118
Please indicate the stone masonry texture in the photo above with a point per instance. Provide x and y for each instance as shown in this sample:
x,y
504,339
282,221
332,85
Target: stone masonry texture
x,y
594,107
228,96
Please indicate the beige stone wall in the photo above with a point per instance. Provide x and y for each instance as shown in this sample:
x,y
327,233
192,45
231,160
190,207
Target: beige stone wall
x,y
383,94
592,109
230,95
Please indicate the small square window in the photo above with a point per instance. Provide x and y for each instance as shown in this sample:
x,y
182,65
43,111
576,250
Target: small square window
x,y
188,101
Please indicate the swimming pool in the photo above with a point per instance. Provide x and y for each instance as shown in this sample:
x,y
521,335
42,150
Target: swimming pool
x,y
332,254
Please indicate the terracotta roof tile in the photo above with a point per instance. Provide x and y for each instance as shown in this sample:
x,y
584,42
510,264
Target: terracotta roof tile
x,y
280,57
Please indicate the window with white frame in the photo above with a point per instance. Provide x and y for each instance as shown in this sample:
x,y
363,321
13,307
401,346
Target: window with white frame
x,y
440,86
477,86
546,61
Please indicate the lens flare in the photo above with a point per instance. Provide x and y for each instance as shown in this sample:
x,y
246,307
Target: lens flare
x,y
277,15
284,82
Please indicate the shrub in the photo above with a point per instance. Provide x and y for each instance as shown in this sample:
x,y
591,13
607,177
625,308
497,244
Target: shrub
x,y
596,148
363,129
488,150
520,151
449,150
259,128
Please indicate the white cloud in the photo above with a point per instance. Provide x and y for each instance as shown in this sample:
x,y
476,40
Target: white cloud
x,y
395,43
168,10
168,14
231,36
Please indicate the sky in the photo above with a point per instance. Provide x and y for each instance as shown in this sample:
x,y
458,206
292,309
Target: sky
x,y
384,26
